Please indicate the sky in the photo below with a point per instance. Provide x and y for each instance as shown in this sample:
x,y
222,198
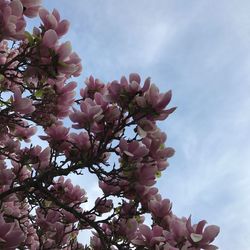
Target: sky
x,y
200,50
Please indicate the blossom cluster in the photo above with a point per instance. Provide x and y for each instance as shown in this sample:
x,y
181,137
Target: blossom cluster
x,y
40,207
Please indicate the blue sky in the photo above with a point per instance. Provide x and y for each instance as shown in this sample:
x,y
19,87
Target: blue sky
x,y
200,50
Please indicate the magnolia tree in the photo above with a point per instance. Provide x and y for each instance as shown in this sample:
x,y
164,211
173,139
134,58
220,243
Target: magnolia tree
x,y
40,208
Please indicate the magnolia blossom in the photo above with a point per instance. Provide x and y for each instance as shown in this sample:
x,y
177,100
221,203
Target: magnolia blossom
x,y
103,206
155,101
201,237
149,237
127,228
11,20
134,150
65,97
160,208
56,132
6,177
118,142
11,235
53,21
120,92
24,131
50,38
90,113
31,7
22,105
69,193
92,86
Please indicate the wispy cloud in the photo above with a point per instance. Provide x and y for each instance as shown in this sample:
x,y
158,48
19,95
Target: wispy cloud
x,y
200,49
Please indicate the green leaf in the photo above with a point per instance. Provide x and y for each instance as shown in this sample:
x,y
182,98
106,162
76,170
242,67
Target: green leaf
x,y
158,174
62,64
138,218
29,37
29,167
1,77
39,93
47,203
117,209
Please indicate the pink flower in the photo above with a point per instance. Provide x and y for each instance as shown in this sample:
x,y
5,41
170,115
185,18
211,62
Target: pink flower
x,y
160,208
79,146
21,172
93,86
32,239
67,192
64,51
56,233
52,21
24,132
31,7
11,19
133,150
81,141
114,89
177,227
127,209
65,97
128,228
146,194
146,174
112,114
133,85
145,126
90,113
200,237
95,242
149,237
56,132
39,158
6,176
71,65
154,140
11,235
16,8
50,38
157,102
103,206
22,105
123,91
11,145
108,188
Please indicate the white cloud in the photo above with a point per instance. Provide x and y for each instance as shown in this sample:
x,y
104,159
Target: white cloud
x,y
202,49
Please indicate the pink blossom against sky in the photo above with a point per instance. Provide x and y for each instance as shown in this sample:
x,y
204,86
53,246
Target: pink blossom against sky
x,y
200,50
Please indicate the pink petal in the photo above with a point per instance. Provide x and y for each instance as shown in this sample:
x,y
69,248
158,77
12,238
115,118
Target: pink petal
x,y
52,21
62,28
124,81
31,3
165,99
65,50
146,85
210,233
134,77
17,8
145,230
43,13
189,226
50,38
56,14
200,226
